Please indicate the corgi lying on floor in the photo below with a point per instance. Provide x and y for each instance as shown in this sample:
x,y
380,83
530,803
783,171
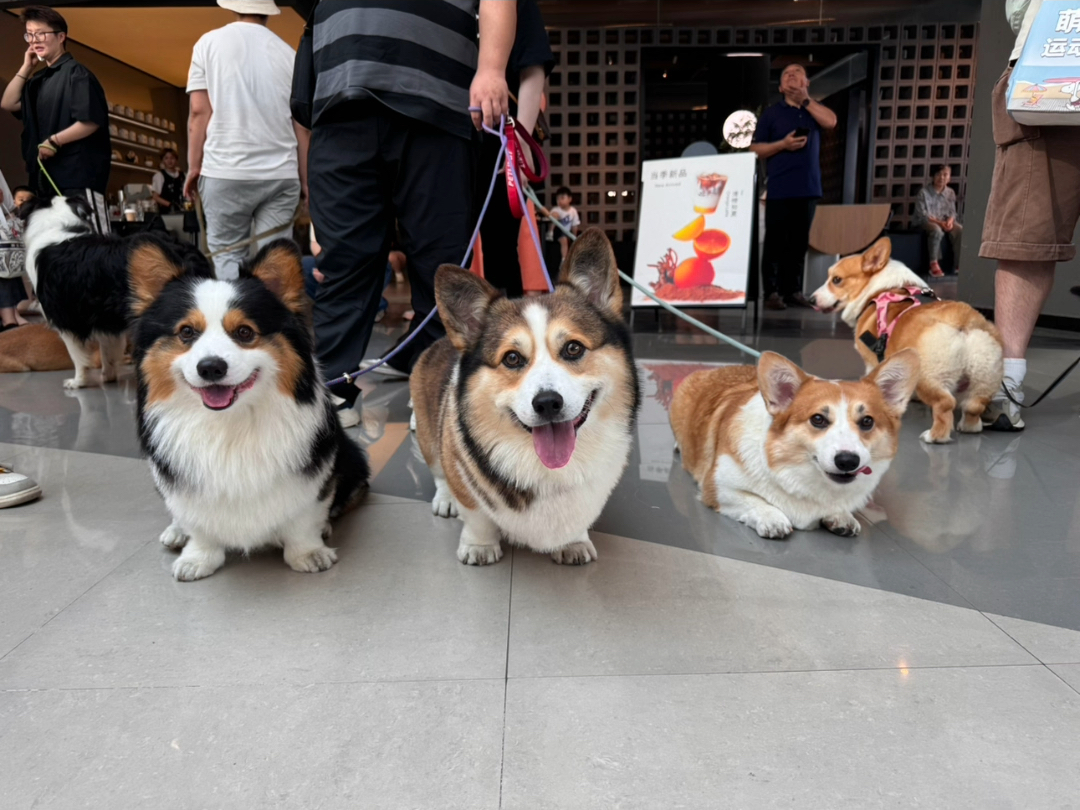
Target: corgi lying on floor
x,y
888,307
778,449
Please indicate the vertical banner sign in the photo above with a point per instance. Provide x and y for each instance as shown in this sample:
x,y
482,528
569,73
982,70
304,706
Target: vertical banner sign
x,y
1044,88
694,231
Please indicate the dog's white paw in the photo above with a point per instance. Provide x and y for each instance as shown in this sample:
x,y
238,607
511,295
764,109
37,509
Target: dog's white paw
x,y
844,524
772,524
443,504
970,426
479,555
412,422
575,554
318,559
191,566
75,382
173,537
926,437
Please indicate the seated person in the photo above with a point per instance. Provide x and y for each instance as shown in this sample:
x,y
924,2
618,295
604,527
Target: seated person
x,y
935,212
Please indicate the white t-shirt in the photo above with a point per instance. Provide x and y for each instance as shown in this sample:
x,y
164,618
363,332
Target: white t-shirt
x,y
568,217
247,71
1021,14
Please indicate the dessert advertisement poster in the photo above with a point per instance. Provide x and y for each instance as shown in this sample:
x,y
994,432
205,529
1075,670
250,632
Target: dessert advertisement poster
x,y
694,231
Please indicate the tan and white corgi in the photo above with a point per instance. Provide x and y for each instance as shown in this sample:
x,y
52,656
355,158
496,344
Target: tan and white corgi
x,y
961,352
778,449
525,412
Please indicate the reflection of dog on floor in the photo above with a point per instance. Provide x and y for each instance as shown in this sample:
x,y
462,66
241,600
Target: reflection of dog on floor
x,y
890,310
81,279
34,347
525,413
243,441
778,450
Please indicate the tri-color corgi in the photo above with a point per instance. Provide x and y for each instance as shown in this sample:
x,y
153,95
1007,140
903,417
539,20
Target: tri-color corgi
x,y
525,412
778,449
242,438
961,352
81,279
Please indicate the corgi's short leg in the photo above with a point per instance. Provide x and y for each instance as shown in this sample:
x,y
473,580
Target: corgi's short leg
x,y
174,537
579,552
112,356
481,541
844,524
305,541
81,357
755,512
200,558
443,504
942,403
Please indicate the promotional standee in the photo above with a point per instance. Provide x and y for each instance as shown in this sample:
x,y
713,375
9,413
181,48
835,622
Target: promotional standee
x,y
1044,89
696,230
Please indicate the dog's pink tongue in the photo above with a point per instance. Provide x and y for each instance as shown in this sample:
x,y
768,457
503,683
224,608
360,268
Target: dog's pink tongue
x,y
865,471
216,396
554,443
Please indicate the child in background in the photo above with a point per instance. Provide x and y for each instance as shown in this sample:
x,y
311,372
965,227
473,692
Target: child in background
x,y
566,214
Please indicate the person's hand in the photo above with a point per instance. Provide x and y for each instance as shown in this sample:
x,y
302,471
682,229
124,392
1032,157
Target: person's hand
x,y
46,150
490,93
319,277
949,223
30,60
793,142
191,184
800,94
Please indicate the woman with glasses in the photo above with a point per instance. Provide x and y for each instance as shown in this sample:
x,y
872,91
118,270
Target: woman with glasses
x,y
64,114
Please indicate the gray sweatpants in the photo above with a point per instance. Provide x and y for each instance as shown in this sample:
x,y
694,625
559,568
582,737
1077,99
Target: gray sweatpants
x,y
934,235
238,209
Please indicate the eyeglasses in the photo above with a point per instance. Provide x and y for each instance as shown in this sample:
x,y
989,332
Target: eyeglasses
x,y
38,36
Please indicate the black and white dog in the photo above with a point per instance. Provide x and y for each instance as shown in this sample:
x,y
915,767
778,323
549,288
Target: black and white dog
x,y
243,441
81,279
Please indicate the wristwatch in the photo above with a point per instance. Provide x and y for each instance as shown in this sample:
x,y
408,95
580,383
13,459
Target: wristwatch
x,y
805,104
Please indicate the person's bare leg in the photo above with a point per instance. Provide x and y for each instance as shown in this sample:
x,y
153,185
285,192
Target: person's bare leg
x,y
1020,292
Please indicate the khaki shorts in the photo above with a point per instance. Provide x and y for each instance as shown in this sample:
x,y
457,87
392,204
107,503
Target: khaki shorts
x,y
1035,198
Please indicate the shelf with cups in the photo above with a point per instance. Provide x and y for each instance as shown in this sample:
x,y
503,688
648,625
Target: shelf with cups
x,y
133,166
143,124
120,143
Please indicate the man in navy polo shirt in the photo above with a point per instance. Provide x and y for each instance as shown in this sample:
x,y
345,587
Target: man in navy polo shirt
x,y
788,138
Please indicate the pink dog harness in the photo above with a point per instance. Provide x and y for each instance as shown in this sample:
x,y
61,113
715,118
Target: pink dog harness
x,y
916,295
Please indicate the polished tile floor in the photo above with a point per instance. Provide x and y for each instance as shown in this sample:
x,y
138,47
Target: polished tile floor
x,y
934,661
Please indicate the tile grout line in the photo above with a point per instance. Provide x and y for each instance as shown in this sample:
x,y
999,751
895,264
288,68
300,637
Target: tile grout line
x,y
91,587
506,673
1075,689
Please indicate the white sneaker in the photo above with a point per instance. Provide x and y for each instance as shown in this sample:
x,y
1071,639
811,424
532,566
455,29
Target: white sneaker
x,y
385,370
16,488
1004,413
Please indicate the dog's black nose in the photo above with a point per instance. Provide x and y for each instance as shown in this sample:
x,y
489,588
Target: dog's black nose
x,y
548,405
212,369
846,462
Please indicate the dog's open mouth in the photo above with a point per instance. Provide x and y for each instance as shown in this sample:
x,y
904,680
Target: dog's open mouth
x,y
220,397
847,478
554,442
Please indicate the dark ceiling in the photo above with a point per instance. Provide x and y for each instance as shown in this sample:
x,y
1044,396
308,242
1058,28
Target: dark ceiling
x,y
722,13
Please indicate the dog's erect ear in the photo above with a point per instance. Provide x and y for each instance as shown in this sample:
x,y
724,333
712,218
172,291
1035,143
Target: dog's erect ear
x,y
897,378
590,266
150,268
779,380
463,299
281,269
877,256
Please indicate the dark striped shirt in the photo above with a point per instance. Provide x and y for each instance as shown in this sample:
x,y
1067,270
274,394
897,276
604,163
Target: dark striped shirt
x,y
417,57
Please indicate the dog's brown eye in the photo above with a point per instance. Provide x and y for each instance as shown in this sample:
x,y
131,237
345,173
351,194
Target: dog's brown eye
x,y
245,334
187,334
837,280
513,360
573,351
819,421
866,423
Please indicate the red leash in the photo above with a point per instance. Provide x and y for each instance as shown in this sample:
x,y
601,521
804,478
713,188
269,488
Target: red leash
x,y
515,158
